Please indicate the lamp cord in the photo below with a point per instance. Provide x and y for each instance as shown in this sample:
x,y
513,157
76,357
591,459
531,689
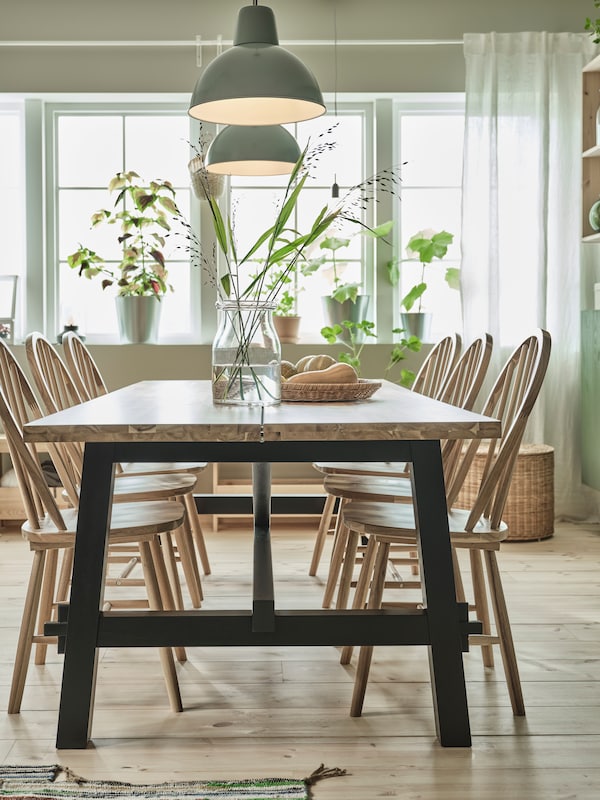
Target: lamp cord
x,y
335,189
335,72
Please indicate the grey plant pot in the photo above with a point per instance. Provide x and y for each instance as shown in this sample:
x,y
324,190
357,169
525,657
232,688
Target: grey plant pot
x,y
417,323
138,319
335,313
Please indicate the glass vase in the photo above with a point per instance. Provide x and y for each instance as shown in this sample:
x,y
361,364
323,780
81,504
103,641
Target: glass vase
x,y
246,355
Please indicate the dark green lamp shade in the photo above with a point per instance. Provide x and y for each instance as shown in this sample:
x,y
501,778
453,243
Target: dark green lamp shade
x,y
256,82
252,150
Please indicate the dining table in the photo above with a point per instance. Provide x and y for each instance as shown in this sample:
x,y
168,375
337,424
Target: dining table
x,y
177,421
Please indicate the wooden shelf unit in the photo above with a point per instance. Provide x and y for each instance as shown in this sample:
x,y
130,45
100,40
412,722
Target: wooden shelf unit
x,y
590,161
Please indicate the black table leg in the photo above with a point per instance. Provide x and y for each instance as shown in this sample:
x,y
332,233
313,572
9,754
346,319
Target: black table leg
x,y
445,651
79,671
263,600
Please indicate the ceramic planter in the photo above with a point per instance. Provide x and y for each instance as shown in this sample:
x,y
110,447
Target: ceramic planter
x,y
138,318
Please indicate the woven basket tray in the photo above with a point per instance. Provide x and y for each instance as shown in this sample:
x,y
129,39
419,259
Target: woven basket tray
x,y
529,509
328,392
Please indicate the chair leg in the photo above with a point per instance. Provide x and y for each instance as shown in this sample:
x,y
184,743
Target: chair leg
x,y
481,605
187,556
165,590
348,567
24,644
64,577
337,558
458,581
507,649
46,604
155,602
366,651
171,567
197,532
324,527
362,589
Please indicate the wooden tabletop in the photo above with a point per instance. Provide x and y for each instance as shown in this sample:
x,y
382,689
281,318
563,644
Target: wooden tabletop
x,y
172,411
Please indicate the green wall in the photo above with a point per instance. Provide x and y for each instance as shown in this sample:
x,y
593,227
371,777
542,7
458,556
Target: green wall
x,y
173,69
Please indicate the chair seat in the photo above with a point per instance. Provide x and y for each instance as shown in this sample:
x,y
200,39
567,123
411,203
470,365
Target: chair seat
x,y
358,487
160,485
130,522
152,467
385,518
391,468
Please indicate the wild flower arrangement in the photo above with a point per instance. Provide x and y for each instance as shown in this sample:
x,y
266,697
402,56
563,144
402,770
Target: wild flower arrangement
x,y
143,223
283,249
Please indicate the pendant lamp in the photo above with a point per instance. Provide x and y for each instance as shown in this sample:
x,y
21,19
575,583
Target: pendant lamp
x,y
252,150
256,82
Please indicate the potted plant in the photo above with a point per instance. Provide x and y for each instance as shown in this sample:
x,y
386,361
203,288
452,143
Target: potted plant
x,y
345,302
285,318
423,246
143,214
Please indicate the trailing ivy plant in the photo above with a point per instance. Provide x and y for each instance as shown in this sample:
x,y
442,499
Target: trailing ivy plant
x,y
354,341
398,354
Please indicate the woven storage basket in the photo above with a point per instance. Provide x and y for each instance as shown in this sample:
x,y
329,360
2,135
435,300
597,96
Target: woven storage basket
x,y
529,509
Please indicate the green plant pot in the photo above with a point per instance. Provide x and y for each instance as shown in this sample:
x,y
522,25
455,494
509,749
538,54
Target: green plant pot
x,y
138,319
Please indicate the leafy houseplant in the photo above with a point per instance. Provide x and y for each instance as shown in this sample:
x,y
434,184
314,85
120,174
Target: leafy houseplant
x,y
345,303
343,290
143,215
424,246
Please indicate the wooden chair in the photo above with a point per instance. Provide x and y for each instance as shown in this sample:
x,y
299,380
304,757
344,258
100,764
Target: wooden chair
x,y
430,380
50,530
58,392
90,383
480,530
346,481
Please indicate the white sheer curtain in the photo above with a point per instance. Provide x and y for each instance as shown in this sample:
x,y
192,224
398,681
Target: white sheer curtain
x,y
521,224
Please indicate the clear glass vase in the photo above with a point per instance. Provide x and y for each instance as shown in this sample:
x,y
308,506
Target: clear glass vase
x,y
246,355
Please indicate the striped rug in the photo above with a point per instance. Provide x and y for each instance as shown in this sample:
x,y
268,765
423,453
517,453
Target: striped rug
x,y
53,782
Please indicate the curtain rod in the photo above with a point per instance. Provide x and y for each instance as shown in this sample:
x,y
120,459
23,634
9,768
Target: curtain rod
x,y
229,43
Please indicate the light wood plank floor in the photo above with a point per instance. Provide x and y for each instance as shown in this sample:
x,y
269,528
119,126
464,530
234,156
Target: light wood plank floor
x,y
253,712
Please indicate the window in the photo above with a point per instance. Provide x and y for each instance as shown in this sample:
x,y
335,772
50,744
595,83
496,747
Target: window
x,y
91,146
344,164
88,142
12,199
429,141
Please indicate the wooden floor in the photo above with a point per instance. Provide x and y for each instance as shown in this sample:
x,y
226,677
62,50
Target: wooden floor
x,y
281,712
